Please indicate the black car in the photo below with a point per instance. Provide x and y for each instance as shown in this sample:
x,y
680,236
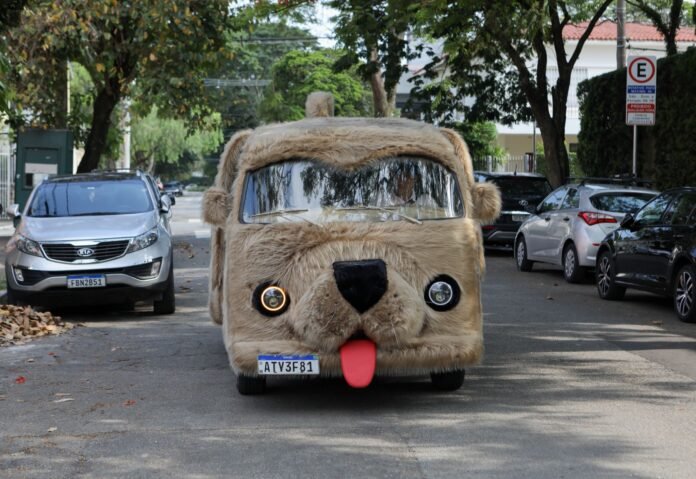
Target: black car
x,y
174,188
654,251
521,193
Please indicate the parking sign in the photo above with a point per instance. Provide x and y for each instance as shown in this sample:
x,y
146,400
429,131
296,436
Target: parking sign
x,y
641,86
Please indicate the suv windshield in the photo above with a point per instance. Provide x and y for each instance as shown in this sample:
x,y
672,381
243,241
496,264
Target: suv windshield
x,y
392,189
87,198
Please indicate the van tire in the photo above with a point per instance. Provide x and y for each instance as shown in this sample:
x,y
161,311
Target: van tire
x,y
448,380
250,385
167,305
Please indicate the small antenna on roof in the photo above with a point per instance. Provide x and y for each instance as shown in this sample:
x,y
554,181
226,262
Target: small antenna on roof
x,y
515,170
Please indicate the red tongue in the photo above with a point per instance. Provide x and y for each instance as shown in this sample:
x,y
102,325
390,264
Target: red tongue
x,y
358,360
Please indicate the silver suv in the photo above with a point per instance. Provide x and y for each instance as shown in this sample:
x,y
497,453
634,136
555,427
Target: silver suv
x,y
94,238
568,226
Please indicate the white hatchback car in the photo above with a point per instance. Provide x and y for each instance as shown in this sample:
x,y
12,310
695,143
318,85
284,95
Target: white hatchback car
x,y
569,224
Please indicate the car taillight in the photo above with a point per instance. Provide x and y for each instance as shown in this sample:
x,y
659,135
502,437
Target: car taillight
x,y
595,218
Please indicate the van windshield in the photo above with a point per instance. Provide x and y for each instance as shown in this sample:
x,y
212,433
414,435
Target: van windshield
x,y
393,189
90,198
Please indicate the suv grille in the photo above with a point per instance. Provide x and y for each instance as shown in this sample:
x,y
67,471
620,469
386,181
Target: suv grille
x,y
67,252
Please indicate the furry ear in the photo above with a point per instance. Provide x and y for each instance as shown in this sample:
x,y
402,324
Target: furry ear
x,y
319,104
486,199
216,206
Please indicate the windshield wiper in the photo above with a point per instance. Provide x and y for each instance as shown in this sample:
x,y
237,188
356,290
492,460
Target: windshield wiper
x,y
384,210
286,214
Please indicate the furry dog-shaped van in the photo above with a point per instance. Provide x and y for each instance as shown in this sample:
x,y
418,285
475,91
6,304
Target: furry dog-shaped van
x,y
348,246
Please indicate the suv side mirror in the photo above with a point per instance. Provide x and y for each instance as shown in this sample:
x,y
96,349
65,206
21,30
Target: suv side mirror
x,y
628,221
165,203
14,211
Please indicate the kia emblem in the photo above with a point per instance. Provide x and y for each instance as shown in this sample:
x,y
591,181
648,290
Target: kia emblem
x,y
84,252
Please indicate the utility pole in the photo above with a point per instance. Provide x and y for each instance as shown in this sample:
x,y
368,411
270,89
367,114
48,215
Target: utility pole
x,y
620,34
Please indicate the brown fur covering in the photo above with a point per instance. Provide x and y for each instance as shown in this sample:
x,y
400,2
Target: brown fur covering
x,y
487,203
410,336
319,104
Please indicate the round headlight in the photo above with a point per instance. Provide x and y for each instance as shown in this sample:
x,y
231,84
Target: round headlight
x,y
270,299
273,299
442,293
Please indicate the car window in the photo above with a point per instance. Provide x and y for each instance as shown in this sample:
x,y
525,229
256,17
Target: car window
x,y
392,189
522,186
90,198
572,200
682,210
620,202
651,213
553,201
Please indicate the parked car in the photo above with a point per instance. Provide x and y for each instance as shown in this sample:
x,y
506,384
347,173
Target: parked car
x,y
93,238
568,225
174,188
520,193
654,251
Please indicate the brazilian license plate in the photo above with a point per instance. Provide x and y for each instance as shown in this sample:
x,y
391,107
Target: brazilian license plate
x,y
519,218
87,281
278,365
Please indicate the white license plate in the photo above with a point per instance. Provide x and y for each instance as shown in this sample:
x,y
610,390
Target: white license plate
x,y
87,281
276,365
519,218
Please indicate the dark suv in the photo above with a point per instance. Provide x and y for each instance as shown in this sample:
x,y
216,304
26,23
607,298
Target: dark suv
x,y
520,192
654,251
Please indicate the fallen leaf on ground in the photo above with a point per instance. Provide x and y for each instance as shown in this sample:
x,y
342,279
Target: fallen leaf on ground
x,y
550,298
657,322
64,400
130,402
62,394
52,429
20,380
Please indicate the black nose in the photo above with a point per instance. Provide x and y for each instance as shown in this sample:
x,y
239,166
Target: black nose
x,y
362,283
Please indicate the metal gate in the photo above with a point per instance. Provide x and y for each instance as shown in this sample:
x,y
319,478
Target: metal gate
x,y
7,174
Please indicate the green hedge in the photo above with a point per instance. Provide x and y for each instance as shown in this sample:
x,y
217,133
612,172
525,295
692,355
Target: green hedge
x,y
666,151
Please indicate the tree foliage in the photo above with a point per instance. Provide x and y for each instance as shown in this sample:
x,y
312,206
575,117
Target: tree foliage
x,y
161,141
493,47
666,15
373,35
162,46
299,73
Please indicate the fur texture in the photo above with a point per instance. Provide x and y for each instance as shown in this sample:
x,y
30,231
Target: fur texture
x,y
319,104
298,256
487,203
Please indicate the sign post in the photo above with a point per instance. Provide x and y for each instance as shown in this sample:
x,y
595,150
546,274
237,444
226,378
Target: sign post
x,y
641,88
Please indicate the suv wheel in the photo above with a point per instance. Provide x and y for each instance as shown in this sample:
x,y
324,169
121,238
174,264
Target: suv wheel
x,y
167,305
250,385
685,294
523,264
572,271
604,278
448,381
11,297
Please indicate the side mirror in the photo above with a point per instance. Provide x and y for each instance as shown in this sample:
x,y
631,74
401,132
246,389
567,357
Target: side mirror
x,y
14,211
165,204
628,221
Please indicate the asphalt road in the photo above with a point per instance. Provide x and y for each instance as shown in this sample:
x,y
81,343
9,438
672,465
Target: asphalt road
x,y
571,387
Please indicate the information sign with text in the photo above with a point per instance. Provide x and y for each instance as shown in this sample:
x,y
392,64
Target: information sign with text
x,y
641,87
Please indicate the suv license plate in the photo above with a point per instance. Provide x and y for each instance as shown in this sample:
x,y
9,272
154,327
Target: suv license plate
x,y
87,281
519,218
275,365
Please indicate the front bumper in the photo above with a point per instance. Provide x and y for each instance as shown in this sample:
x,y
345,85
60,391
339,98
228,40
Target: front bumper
x,y
127,277
419,356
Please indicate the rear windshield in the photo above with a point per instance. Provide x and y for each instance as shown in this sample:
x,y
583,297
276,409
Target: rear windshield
x,y
620,202
523,187
90,198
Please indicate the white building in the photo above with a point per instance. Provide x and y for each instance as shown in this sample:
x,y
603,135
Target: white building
x,y
598,56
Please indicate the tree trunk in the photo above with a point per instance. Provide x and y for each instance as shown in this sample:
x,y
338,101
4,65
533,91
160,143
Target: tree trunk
x,y
555,153
104,105
380,99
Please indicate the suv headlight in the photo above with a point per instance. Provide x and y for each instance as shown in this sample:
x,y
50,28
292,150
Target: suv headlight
x,y
25,245
143,241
